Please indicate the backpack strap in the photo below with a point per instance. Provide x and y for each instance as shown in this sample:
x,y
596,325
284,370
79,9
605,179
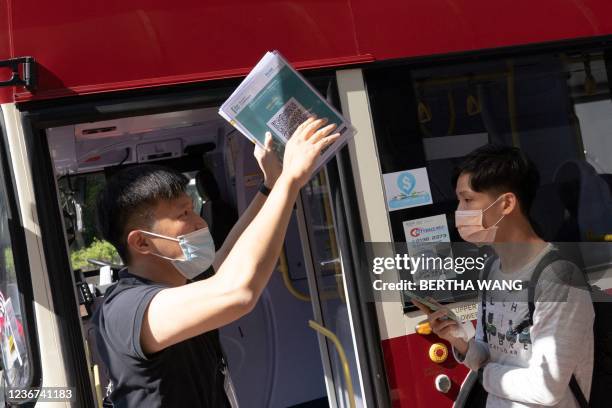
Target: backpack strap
x,y
550,257
578,394
546,260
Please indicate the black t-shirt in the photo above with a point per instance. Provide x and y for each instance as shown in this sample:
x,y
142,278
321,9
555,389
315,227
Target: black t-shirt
x,y
187,374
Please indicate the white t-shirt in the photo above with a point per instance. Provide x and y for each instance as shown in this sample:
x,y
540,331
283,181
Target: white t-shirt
x,y
533,368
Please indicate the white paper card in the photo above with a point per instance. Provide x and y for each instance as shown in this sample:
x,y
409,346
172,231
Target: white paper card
x,y
428,229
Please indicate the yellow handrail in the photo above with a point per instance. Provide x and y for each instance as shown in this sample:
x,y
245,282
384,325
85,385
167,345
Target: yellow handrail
x,y
97,384
598,237
96,375
345,366
284,269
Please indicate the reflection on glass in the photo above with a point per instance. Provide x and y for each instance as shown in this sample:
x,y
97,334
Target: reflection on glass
x,y
15,354
329,281
554,107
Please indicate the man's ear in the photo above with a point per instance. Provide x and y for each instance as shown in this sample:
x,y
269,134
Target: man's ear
x,y
510,203
137,242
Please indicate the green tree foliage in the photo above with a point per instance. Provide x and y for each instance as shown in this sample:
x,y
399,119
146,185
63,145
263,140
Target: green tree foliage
x,y
100,250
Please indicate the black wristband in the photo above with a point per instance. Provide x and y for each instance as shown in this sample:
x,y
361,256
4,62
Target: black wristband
x,y
264,190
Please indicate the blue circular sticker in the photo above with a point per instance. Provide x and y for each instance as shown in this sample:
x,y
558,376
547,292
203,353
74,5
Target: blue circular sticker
x,y
406,182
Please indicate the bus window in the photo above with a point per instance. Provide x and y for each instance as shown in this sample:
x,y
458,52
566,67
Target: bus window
x,y
555,107
78,194
595,119
17,369
591,97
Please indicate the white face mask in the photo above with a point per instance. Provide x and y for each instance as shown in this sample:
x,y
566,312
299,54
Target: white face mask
x,y
470,226
198,251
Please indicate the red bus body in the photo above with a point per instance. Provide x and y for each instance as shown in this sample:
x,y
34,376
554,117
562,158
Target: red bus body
x,y
84,48
98,47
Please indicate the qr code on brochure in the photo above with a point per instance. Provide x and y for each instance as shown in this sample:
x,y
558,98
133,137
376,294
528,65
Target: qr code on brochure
x,y
288,118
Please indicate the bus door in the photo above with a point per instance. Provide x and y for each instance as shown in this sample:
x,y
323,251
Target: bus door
x,y
418,122
302,321
317,269
303,345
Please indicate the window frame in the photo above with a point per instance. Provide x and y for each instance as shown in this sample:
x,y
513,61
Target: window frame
x,y
21,263
381,72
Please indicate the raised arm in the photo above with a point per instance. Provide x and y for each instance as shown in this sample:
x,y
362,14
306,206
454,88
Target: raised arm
x,y
271,168
176,314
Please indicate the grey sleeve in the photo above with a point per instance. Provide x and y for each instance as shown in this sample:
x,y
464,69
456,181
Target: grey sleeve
x,y
123,318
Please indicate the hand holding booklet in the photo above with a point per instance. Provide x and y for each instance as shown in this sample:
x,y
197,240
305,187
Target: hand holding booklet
x,y
275,98
432,306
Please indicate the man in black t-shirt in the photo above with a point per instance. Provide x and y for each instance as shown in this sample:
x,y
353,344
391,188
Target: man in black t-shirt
x,y
157,327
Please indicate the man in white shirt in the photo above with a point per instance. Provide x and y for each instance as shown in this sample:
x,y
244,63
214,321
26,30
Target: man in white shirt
x,y
530,366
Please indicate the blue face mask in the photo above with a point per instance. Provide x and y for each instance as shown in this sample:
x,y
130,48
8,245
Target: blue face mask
x,y
198,251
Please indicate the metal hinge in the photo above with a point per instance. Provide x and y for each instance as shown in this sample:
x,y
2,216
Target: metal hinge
x,y
28,72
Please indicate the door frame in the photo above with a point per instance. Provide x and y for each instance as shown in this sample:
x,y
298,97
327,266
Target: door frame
x,y
38,116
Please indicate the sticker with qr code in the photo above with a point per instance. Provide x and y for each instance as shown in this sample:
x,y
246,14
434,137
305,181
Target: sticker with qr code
x,y
288,118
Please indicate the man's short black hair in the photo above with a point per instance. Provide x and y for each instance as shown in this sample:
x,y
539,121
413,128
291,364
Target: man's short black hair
x,y
499,169
129,198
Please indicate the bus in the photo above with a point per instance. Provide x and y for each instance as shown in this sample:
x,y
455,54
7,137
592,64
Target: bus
x,y
87,88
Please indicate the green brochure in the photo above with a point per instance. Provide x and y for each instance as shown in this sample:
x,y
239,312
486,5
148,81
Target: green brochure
x,y
274,97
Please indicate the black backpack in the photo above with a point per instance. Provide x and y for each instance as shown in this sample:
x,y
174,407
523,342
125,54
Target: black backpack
x,y
602,331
